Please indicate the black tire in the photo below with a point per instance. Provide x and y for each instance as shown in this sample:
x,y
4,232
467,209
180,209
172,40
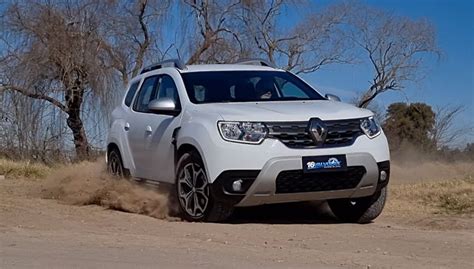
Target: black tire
x,y
359,210
212,211
115,164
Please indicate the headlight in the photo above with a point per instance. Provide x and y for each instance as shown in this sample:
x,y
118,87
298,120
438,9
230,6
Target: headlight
x,y
370,127
243,132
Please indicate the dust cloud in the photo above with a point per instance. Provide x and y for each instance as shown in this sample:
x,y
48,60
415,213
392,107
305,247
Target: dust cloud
x,y
410,165
429,171
89,184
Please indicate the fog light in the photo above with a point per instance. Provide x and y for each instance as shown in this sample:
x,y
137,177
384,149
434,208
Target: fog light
x,y
237,185
383,175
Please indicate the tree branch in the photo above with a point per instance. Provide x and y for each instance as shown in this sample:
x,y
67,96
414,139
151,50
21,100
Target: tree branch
x,y
38,96
146,39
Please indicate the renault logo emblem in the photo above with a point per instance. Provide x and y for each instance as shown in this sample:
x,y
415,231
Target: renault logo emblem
x,y
318,131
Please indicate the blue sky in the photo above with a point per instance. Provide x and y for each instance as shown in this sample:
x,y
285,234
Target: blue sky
x,y
448,81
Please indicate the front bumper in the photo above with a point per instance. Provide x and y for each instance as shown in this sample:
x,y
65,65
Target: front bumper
x,y
262,187
272,157
220,156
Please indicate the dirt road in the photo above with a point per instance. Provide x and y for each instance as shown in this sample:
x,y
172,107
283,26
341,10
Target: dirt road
x,y
41,233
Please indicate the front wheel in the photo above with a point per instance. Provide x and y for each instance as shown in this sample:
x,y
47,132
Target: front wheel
x,y
359,210
196,202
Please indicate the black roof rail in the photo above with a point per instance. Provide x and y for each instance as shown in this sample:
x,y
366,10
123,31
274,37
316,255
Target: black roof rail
x,y
166,63
256,61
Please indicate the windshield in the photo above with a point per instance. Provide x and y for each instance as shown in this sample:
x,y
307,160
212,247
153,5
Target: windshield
x,y
246,86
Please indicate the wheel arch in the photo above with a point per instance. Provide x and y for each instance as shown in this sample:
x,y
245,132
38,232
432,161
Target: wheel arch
x,y
116,145
112,146
187,145
183,149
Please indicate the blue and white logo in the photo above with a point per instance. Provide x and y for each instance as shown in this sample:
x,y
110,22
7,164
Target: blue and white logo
x,y
331,163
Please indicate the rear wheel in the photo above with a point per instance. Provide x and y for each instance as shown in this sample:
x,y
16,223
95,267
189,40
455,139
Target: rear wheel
x,y
196,202
359,210
115,164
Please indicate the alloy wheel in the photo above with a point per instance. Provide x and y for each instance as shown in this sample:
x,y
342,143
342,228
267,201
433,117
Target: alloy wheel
x,y
193,190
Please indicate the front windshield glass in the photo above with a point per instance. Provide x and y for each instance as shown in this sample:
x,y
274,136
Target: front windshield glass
x,y
246,86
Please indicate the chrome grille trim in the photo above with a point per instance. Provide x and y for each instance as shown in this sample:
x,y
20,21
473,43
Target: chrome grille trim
x,y
295,134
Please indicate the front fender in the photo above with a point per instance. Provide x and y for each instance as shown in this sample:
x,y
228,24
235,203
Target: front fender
x,y
204,136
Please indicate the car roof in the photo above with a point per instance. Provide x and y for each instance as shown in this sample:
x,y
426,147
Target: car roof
x,y
226,67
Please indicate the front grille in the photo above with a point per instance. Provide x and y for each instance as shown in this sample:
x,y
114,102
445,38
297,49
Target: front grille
x,y
294,181
296,135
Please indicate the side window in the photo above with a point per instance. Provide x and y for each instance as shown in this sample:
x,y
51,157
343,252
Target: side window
x,y
131,93
146,94
168,88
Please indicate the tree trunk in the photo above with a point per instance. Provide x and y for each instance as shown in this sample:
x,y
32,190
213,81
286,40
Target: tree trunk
x,y
74,98
74,122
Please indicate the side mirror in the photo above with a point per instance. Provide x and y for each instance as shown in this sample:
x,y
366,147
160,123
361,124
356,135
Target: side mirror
x,y
164,105
332,97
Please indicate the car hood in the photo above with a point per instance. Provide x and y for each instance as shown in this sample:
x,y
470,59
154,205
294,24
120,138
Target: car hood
x,y
287,110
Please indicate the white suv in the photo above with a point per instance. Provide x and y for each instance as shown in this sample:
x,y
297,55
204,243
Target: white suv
x,y
246,134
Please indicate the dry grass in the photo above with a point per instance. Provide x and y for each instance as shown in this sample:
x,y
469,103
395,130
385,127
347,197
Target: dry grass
x,y
15,169
448,197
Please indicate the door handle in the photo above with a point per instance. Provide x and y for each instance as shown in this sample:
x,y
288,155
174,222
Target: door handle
x,y
126,127
148,129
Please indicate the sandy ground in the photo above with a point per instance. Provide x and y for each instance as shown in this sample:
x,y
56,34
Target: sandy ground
x,y
44,233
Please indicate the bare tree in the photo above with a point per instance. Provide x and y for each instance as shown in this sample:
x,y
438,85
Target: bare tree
x,y
62,53
59,62
447,130
131,31
31,129
395,47
216,37
317,40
